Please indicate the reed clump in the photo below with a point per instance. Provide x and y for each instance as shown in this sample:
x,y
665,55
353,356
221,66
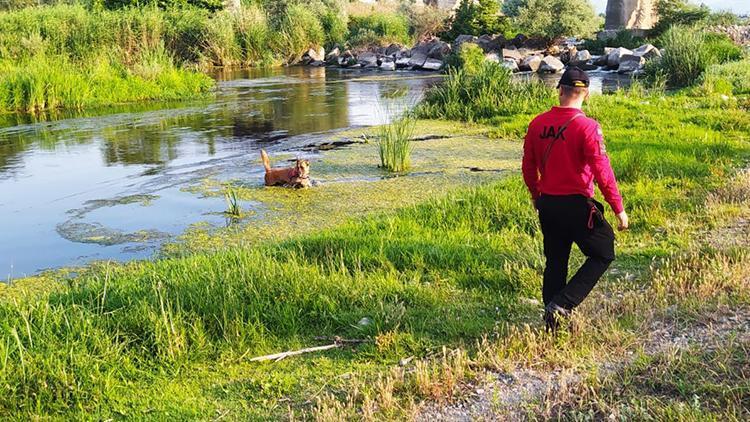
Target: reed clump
x,y
395,144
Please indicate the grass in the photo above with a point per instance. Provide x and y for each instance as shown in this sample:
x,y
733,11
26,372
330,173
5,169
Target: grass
x,y
170,338
234,209
395,144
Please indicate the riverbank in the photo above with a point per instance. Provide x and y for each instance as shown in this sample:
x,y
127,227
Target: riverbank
x,y
430,271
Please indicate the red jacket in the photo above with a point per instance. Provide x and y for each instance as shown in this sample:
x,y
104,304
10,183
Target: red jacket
x,y
576,160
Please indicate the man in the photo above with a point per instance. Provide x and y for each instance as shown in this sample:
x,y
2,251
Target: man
x,y
564,154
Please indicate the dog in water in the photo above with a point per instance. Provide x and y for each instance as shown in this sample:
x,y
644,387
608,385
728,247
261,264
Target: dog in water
x,y
296,177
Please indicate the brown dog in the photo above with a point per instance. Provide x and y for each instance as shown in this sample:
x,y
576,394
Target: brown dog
x,y
297,176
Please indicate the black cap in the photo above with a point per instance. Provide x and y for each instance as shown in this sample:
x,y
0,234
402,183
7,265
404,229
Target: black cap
x,y
575,77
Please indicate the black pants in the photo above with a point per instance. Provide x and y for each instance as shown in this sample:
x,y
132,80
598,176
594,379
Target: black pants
x,y
566,220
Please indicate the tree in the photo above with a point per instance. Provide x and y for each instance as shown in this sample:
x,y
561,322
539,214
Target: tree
x,y
478,18
553,19
678,12
511,7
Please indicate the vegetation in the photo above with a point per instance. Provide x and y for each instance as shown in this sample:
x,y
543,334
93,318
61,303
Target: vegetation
x,y
480,90
688,53
553,19
623,38
395,144
477,18
234,209
173,336
379,29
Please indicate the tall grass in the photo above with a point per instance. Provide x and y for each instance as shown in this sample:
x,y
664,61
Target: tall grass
x,y
395,144
688,52
234,209
379,28
482,93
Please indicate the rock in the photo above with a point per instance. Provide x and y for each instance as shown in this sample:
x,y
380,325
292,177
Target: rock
x,y
587,66
551,64
607,34
512,53
630,63
647,51
417,59
553,51
492,57
613,58
388,64
432,64
439,51
314,55
364,322
333,56
630,14
511,64
368,59
580,57
393,49
318,63
489,43
403,62
567,55
463,39
519,40
600,60
531,64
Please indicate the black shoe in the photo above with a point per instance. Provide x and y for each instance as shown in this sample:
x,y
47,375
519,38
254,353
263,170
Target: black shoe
x,y
554,315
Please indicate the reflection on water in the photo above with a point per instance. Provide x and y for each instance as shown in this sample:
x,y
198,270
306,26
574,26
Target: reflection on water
x,y
68,181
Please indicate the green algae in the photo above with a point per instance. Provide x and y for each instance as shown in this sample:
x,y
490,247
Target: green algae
x,y
349,184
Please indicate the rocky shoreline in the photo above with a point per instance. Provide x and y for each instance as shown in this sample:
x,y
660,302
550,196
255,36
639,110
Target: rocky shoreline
x,y
520,54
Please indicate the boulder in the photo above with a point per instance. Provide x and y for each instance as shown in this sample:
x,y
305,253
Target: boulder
x,y
368,59
417,59
512,53
393,49
647,51
531,64
388,64
568,54
551,64
580,57
630,63
440,50
463,39
403,62
511,64
314,55
489,43
600,60
587,67
317,63
614,57
333,56
553,50
347,59
432,64
519,40
630,14
492,57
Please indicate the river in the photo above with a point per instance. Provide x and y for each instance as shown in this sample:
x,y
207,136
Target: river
x,y
80,187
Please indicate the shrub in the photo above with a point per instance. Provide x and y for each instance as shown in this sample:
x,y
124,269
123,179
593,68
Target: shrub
x,y
728,78
469,58
488,92
212,5
299,30
253,35
335,26
426,21
677,12
478,18
553,19
379,28
688,53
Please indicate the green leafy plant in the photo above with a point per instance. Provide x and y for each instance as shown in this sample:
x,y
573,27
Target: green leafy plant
x,y
478,18
553,19
395,144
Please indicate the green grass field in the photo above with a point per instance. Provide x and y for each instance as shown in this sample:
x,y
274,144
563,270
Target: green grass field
x,y
171,339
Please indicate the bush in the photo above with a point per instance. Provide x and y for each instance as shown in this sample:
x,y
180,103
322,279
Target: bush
x,y
470,58
379,29
728,78
211,5
688,52
335,26
298,31
426,21
553,19
677,12
478,18
479,94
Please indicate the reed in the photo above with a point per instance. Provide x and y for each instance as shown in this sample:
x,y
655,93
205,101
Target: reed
x,y
234,209
395,144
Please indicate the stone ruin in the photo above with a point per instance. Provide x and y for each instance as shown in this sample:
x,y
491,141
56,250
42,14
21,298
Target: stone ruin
x,y
630,14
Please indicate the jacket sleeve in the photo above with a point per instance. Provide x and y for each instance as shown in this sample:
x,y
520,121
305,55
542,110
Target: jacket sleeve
x,y
596,157
529,167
